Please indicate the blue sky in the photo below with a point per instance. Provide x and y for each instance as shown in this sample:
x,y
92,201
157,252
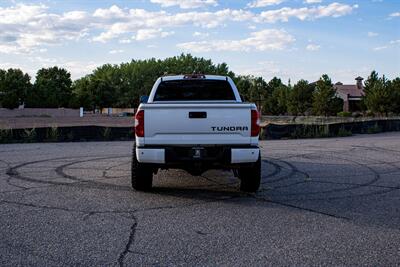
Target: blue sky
x,y
291,39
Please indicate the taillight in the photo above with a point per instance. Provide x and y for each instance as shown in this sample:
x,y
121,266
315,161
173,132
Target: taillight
x,y
139,123
255,123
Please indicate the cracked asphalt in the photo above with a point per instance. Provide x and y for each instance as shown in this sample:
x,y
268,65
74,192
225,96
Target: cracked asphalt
x,y
323,202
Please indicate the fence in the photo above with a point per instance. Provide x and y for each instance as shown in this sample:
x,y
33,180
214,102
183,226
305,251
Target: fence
x,y
279,131
269,132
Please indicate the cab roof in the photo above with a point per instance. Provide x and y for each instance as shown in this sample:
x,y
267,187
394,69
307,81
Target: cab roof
x,y
194,77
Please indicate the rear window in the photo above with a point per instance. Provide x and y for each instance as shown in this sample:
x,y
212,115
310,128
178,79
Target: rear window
x,y
194,90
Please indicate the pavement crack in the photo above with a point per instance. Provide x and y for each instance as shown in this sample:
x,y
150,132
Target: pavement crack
x,y
87,213
355,184
297,207
130,243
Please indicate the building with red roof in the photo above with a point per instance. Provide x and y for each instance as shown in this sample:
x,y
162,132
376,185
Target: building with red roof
x,y
351,94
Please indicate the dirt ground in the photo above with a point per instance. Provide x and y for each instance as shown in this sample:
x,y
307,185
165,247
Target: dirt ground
x,y
39,122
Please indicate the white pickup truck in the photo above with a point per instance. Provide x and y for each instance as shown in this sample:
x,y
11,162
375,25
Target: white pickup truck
x,y
196,123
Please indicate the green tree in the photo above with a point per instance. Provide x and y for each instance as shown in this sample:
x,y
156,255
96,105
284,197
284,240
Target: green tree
x,y
325,101
370,82
122,85
186,64
300,98
276,98
3,74
14,85
395,89
82,96
253,89
274,83
105,84
378,94
52,88
244,85
138,79
278,102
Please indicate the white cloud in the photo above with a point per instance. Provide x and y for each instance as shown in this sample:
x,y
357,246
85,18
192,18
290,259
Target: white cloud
x,y
201,34
372,34
117,51
263,68
43,61
185,4
391,44
313,47
146,34
24,28
81,68
380,48
112,12
119,22
263,3
284,14
30,28
268,39
75,15
395,14
312,1
32,64
125,41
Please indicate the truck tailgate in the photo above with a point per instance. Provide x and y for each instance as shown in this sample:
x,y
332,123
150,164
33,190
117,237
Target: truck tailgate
x,y
197,123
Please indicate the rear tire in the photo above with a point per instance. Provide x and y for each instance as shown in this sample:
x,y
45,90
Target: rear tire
x,y
250,177
141,174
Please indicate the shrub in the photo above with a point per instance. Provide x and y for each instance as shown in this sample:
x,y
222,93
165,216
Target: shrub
x,y
262,133
344,114
369,114
322,131
52,134
343,132
6,135
29,135
106,133
311,131
70,136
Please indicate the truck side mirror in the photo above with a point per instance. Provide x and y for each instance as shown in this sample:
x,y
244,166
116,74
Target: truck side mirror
x,y
144,99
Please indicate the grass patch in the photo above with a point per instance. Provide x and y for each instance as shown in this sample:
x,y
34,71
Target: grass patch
x,y
106,133
6,135
344,114
343,132
311,131
52,134
29,135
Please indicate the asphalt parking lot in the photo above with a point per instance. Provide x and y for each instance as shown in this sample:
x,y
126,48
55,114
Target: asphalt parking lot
x,y
323,202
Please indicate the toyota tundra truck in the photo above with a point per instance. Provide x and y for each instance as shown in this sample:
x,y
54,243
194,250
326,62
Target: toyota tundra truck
x,y
196,123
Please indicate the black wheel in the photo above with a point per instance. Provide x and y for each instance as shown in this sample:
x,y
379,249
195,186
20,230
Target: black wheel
x,y
250,177
141,174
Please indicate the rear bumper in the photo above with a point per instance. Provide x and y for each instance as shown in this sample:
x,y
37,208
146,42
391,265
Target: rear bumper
x,y
224,155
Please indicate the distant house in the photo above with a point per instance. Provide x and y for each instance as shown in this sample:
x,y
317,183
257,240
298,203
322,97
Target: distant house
x,y
351,94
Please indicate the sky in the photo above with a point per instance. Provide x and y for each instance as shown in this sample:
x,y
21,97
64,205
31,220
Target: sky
x,y
290,39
